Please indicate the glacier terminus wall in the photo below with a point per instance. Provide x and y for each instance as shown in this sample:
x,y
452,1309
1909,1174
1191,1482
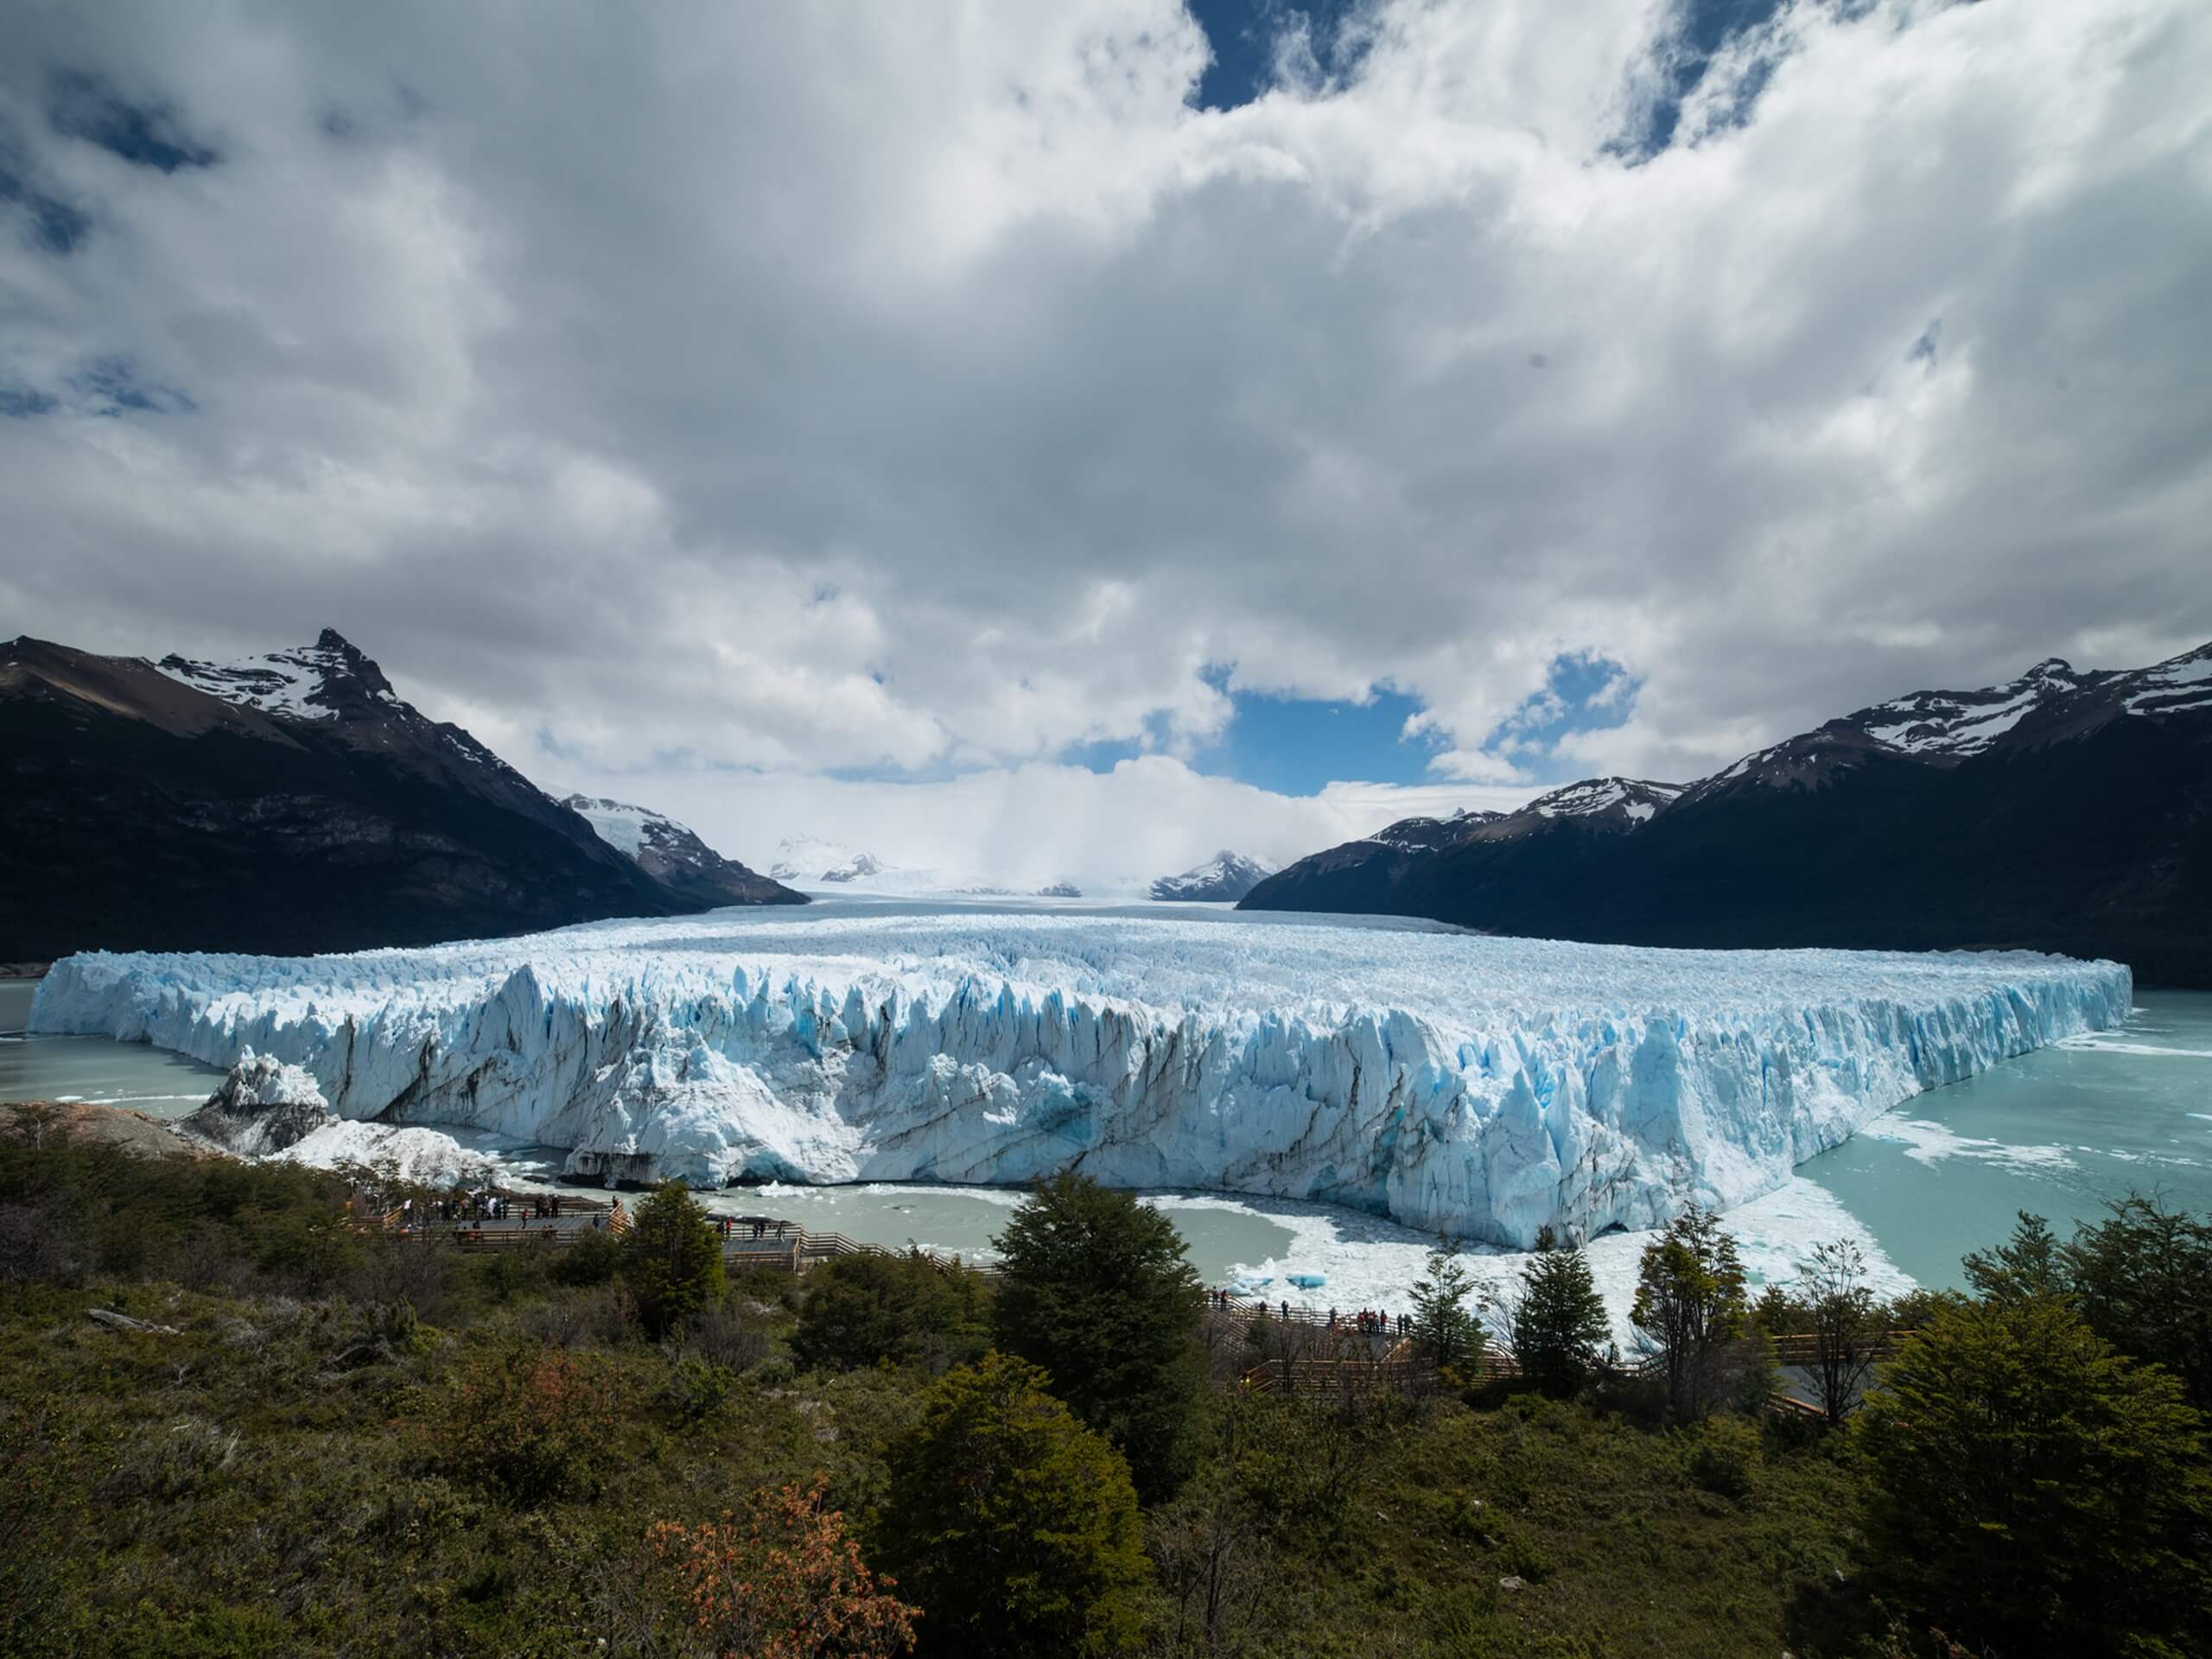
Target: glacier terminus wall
x,y
1480,1086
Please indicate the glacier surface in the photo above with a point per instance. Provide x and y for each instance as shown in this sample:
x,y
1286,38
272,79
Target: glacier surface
x,y
1481,1086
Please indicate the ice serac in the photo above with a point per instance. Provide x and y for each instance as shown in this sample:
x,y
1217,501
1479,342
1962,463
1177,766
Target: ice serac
x,y
1483,1086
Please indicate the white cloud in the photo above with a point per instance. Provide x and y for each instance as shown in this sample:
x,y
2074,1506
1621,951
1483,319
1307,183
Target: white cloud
x,y
1022,827
803,390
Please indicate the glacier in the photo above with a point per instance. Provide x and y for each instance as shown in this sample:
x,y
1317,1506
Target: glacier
x,y
1480,1086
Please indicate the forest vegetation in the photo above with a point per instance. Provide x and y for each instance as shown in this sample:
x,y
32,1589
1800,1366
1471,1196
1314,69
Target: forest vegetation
x,y
285,1433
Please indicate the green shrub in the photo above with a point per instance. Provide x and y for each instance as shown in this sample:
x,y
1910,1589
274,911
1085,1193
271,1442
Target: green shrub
x,y
1724,1453
864,1309
526,1422
698,1390
593,1257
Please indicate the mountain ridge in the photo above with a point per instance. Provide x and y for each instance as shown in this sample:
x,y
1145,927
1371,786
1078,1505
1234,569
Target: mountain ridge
x,y
2064,810
291,803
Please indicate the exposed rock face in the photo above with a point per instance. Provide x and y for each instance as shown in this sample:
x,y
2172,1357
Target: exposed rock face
x,y
294,803
2065,810
263,1106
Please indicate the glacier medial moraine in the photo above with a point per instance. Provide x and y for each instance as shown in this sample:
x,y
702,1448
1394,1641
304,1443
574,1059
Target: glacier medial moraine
x,y
1482,1086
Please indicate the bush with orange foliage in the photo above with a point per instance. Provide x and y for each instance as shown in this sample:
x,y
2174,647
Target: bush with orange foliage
x,y
529,1421
785,1582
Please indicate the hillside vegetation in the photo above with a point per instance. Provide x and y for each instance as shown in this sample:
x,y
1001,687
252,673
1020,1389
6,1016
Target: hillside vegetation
x,y
286,1435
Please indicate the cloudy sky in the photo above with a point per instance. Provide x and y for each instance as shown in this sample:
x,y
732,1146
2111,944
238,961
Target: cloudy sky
x,y
1067,439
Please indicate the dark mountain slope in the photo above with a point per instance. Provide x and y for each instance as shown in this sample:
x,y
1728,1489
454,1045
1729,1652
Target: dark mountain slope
x,y
143,808
1394,873
2082,823
674,855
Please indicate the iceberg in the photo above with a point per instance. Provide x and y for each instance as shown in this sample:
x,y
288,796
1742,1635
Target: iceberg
x,y
1480,1086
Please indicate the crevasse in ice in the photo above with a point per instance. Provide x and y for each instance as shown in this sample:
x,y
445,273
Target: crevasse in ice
x,y
1480,1086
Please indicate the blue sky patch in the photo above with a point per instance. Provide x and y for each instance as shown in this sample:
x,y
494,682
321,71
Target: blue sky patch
x,y
1584,691
111,386
1244,33
1703,30
54,224
81,106
21,403
1293,746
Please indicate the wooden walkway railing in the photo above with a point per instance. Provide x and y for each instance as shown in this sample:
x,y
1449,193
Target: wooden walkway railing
x,y
778,1243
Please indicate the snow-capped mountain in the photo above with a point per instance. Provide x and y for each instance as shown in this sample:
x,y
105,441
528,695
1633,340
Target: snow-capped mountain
x,y
327,680
672,853
292,801
809,858
2066,809
1224,879
2052,700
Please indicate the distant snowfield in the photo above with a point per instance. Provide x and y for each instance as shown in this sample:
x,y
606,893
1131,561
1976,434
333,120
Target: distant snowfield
x,y
1484,1087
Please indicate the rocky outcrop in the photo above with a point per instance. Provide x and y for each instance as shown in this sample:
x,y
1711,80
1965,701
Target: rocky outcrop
x,y
262,1106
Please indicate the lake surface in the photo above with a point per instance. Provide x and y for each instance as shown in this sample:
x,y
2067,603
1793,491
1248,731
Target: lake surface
x,y
2058,1132
149,1080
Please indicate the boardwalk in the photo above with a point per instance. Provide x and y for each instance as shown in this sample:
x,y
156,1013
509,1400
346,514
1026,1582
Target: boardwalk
x,y
772,1242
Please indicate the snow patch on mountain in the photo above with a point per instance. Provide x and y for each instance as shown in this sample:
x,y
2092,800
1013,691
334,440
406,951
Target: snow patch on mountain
x,y
621,826
2171,687
1485,1086
1224,879
296,683
807,858
1964,722
1633,798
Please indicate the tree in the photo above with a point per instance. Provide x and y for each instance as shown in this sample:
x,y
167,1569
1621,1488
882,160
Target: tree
x,y
860,1310
2032,1491
2143,1280
1444,1332
784,1581
1095,1287
1690,1305
1844,1322
1014,1526
2029,1264
1559,1322
1217,1570
671,1259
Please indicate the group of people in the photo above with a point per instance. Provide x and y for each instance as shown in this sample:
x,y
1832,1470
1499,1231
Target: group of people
x,y
1367,1321
1373,1322
731,1224
477,1207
